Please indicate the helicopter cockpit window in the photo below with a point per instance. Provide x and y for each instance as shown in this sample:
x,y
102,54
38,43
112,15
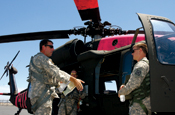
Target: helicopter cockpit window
x,y
164,37
110,87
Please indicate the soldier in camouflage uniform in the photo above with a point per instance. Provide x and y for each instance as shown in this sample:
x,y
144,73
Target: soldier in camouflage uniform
x,y
140,103
44,76
68,104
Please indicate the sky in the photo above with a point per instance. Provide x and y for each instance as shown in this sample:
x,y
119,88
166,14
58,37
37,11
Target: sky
x,y
23,16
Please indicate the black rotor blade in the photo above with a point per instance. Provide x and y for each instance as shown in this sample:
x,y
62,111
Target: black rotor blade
x,y
8,65
133,32
88,10
35,36
3,73
14,58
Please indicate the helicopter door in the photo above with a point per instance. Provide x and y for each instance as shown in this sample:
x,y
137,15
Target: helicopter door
x,y
160,38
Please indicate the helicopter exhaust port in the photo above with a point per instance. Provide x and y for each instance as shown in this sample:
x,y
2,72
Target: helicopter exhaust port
x,y
68,52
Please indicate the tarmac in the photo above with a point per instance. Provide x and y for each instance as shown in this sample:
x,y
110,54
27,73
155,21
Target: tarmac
x,y
11,110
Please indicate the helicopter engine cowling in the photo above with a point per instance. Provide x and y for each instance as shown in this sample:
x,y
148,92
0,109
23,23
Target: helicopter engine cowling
x,y
67,53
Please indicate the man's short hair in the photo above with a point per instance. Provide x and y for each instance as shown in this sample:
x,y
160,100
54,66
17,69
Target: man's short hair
x,y
143,46
44,42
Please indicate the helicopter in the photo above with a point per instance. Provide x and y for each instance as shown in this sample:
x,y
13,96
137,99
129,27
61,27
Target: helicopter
x,y
94,59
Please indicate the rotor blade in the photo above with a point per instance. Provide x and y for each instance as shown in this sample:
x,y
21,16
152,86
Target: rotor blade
x,y
88,9
8,65
35,36
3,73
14,58
133,32
5,93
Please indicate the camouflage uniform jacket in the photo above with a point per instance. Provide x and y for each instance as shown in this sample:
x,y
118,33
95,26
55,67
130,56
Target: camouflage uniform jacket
x,y
138,74
69,103
51,75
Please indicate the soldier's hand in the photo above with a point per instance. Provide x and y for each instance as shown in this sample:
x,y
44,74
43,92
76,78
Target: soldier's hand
x,y
122,86
77,83
120,89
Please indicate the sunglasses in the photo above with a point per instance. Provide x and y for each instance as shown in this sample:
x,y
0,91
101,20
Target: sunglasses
x,y
49,46
134,50
73,74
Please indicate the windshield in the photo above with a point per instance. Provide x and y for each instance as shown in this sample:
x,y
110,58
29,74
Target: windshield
x,y
164,37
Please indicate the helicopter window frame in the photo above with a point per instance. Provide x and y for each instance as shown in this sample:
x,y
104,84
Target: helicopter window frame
x,y
164,37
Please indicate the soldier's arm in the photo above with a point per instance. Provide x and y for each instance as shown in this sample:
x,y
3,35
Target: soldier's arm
x,y
52,70
60,75
83,94
135,80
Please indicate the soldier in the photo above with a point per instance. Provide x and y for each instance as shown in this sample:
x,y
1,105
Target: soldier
x,y
44,76
139,83
68,105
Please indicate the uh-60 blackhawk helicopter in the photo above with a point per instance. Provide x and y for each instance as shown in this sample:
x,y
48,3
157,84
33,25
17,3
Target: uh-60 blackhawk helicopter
x,y
106,59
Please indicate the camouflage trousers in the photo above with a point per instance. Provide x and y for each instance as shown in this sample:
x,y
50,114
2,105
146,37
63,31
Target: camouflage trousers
x,y
44,109
68,106
136,109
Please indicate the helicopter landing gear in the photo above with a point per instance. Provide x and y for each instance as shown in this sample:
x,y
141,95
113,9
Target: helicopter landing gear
x,y
19,110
